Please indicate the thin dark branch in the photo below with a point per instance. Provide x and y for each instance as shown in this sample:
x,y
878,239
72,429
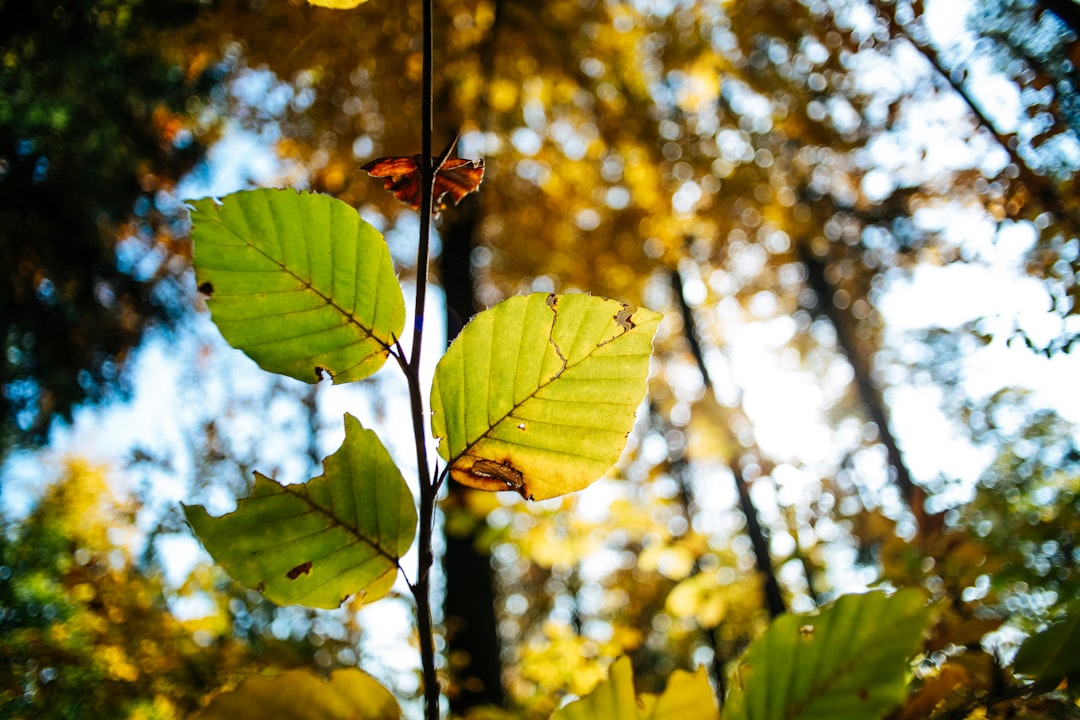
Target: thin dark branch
x,y
440,477
774,600
808,570
405,577
691,329
815,269
422,586
427,179
718,669
398,353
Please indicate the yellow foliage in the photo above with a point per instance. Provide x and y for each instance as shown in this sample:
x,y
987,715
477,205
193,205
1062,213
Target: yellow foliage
x,y
623,639
674,562
632,518
702,85
117,664
559,540
502,95
698,597
59,633
337,4
709,601
82,506
482,503
567,662
83,592
161,708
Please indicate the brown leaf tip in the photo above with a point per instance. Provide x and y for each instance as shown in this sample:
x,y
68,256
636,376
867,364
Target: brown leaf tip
x,y
301,569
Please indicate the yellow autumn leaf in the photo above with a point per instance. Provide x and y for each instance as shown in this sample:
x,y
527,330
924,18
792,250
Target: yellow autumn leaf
x,y
337,4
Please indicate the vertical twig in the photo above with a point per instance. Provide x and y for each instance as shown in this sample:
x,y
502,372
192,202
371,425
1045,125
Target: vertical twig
x,y
774,598
428,490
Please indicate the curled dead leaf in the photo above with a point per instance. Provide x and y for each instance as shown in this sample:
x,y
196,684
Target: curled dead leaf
x,y
401,175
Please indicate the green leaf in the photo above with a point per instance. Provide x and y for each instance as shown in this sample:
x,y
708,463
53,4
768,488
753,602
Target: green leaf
x,y
299,282
538,393
349,694
318,542
848,662
1053,655
688,696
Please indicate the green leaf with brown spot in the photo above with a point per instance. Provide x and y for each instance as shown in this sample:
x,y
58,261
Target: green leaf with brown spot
x,y
538,393
299,282
316,543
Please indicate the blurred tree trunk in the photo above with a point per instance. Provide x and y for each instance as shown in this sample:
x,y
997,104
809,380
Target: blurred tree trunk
x,y
471,627
912,494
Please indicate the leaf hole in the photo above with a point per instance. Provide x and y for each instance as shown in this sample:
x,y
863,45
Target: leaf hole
x,y
623,318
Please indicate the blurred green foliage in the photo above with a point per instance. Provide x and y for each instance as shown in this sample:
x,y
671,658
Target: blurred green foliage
x,y
94,133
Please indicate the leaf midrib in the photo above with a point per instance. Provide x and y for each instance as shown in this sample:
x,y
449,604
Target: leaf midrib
x,y
838,675
335,521
566,365
307,283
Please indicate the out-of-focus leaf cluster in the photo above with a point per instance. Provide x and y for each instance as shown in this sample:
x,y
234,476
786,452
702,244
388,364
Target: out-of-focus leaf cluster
x,y
95,131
